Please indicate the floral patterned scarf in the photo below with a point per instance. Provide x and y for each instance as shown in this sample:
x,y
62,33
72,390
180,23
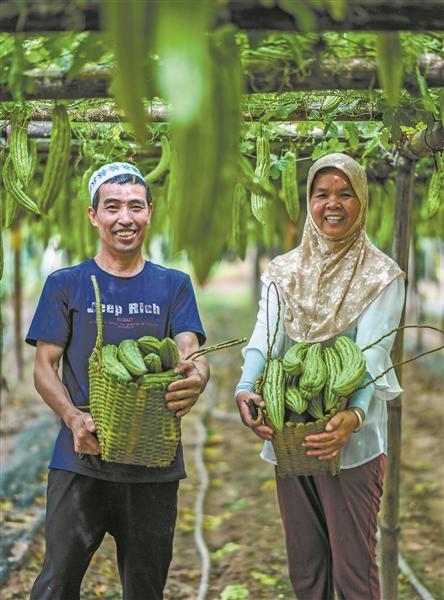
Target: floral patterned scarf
x,y
326,283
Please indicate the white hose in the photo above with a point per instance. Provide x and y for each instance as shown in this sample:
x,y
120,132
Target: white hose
x,y
414,582
199,505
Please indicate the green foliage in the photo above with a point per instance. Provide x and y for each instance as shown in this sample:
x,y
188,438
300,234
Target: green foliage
x,y
265,579
228,548
274,56
237,591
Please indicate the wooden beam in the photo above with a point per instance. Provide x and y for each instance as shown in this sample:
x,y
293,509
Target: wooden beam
x,y
389,523
250,15
274,109
423,143
261,75
377,15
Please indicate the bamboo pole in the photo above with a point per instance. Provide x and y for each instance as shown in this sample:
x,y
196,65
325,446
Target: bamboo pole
x,y
360,15
262,74
389,525
252,109
16,245
423,143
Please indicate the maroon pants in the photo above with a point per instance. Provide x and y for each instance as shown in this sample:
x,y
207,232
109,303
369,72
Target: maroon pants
x,y
330,532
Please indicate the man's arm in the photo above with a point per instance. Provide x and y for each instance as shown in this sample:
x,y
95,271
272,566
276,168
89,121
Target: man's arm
x,y
54,393
182,395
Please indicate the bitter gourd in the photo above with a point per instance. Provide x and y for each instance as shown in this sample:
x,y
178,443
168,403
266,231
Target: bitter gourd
x,y
353,366
153,362
273,392
294,400
169,355
131,357
334,367
112,363
314,372
294,358
148,343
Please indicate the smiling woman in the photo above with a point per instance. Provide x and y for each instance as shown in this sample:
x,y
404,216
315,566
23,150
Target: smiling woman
x,y
333,202
335,283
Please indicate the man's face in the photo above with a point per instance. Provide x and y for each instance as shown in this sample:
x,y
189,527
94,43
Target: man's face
x,y
121,217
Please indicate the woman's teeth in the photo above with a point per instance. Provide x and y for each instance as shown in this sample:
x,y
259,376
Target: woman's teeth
x,y
334,219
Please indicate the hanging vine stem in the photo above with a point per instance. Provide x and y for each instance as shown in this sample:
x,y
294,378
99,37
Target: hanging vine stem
x,y
404,362
270,346
398,329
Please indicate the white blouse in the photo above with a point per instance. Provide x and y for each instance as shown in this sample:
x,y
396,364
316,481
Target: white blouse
x,y
380,317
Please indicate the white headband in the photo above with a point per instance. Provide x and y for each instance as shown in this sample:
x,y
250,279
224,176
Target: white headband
x,y
108,172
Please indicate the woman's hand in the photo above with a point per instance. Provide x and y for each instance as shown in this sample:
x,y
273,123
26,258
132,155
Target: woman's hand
x,y
256,424
337,433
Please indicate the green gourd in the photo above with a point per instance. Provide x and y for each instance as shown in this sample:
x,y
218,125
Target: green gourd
x,y
153,362
294,400
273,393
294,358
353,366
130,356
314,372
112,363
169,355
148,344
334,368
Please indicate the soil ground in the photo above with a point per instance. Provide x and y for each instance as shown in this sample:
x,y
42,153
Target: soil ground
x,y
241,523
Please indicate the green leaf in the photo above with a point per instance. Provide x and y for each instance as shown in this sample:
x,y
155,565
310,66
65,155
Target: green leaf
x,y
237,591
228,548
352,134
441,104
264,578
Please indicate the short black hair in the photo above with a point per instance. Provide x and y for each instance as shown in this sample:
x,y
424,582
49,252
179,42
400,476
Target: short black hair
x,y
121,179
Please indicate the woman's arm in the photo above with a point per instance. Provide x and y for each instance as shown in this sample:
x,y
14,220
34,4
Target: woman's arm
x,y
255,354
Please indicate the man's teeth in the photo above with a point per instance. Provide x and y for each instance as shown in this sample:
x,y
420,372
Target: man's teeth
x,y
124,233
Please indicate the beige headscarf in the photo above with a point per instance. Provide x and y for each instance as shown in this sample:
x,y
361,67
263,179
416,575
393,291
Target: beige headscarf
x,y
326,283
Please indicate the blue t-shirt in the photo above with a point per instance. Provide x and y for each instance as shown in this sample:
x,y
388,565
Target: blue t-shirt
x,y
157,301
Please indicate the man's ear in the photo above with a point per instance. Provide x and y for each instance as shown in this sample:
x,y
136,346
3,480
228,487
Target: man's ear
x,y
150,211
92,216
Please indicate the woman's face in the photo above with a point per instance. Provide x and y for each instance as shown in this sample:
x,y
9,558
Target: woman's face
x,y
333,203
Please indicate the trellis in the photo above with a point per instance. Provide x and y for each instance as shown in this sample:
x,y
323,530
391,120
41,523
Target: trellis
x,y
352,74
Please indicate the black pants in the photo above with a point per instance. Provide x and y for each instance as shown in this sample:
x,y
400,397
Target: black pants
x,y
80,510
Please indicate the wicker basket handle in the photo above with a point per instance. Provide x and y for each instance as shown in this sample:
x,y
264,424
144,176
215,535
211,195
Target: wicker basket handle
x,y
270,346
99,317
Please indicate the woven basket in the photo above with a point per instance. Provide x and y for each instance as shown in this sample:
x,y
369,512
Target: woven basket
x,y
291,457
133,424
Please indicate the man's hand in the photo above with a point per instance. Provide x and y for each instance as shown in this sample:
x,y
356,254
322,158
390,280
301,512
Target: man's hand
x,y
256,424
337,433
183,394
82,427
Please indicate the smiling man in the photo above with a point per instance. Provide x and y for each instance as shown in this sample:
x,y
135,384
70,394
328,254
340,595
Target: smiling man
x,y
88,497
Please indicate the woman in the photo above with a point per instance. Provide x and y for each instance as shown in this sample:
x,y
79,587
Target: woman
x,y
336,282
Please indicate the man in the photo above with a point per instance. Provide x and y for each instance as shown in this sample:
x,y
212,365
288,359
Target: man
x,y
88,497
